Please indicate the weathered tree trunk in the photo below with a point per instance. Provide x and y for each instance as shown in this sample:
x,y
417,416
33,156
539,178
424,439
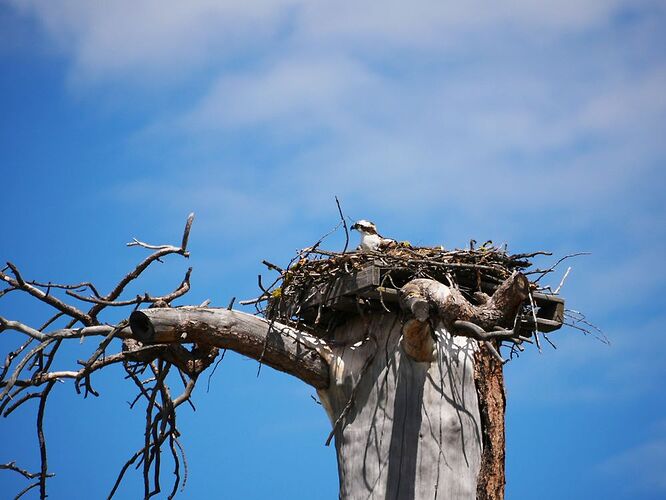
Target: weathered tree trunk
x,y
413,428
416,397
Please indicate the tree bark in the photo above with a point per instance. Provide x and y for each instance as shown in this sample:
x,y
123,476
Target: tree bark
x,y
489,379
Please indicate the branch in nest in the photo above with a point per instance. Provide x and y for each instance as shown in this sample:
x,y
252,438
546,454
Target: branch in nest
x,y
426,298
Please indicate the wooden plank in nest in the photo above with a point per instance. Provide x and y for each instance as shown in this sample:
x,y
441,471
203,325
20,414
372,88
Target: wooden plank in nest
x,y
550,313
340,295
354,284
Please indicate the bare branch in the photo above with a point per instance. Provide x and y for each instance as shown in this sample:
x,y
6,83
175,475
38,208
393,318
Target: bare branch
x,y
78,286
161,251
182,289
559,287
135,357
9,384
6,324
28,475
423,297
42,442
20,284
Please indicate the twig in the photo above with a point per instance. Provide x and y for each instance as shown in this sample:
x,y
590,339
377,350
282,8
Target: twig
x,y
25,490
58,304
42,442
520,256
344,224
210,376
78,286
28,475
272,266
536,324
557,290
186,232
552,268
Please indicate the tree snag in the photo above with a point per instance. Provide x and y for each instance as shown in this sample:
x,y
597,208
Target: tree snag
x,y
413,385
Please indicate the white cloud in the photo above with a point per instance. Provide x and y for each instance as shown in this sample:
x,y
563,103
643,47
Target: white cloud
x,y
431,24
516,110
135,39
634,105
301,92
130,40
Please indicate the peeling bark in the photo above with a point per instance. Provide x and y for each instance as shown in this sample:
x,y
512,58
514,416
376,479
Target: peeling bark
x,y
489,380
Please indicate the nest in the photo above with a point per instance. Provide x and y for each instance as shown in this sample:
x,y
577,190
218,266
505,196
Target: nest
x,y
319,289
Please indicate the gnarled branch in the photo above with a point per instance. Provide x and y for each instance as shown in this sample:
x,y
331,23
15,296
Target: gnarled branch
x,y
423,297
426,298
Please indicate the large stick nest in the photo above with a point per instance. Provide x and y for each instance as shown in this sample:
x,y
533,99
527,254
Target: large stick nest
x,y
319,287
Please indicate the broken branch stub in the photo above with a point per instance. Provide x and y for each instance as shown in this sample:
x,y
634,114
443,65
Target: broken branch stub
x,y
279,346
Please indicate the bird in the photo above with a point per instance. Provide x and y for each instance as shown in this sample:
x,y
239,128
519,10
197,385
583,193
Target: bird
x,y
371,240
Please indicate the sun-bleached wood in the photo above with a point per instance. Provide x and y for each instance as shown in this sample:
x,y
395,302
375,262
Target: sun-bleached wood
x,y
413,428
276,345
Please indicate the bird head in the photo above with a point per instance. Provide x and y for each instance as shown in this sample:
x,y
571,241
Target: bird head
x,y
364,226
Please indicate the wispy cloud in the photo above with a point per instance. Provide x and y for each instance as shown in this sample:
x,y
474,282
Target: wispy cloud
x,y
133,41
475,117
304,93
106,39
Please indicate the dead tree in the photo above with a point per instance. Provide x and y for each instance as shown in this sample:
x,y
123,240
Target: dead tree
x,y
413,389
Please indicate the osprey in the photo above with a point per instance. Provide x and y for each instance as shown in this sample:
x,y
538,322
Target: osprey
x,y
371,240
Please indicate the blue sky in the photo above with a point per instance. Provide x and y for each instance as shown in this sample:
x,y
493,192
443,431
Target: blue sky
x,y
536,124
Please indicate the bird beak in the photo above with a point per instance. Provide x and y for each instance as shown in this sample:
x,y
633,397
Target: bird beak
x,y
354,227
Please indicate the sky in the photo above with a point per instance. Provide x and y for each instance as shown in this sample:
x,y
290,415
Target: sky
x,y
536,124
